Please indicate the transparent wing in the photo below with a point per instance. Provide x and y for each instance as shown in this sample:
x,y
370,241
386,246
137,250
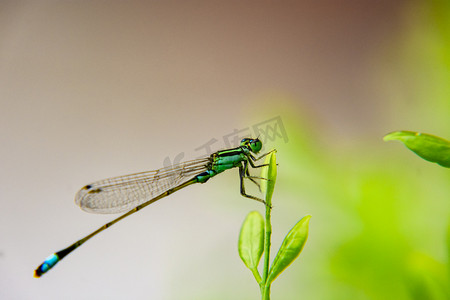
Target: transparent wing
x,y
123,193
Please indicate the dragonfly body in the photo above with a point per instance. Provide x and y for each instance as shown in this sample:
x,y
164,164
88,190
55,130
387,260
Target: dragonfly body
x,y
133,192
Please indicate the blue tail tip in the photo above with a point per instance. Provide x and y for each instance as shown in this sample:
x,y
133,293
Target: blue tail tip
x,y
46,265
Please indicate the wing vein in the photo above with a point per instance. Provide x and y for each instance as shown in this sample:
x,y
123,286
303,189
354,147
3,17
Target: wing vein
x,y
123,193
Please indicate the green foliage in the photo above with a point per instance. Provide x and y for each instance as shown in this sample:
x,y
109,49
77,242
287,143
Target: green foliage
x,y
290,248
379,225
427,146
251,242
254,238
270,172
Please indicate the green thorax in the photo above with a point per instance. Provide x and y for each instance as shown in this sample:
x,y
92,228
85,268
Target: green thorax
x,y
227,159
230,158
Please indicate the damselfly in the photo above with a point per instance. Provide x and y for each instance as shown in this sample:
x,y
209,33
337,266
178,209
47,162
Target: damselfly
x,y
133,192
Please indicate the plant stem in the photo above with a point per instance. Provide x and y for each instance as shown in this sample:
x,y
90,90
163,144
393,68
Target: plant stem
x,y
266,292
271,174
265,288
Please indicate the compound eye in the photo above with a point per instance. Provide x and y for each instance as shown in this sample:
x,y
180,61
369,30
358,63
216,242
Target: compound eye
x,y
255,145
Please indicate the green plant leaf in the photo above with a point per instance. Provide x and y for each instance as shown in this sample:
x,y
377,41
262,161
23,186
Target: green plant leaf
x,y
251,240
290,248
269,172
427,146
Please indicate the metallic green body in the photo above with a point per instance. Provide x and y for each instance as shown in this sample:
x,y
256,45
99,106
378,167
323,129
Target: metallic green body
x,y
222,161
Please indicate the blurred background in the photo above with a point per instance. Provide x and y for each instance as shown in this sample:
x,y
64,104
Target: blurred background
x,y
94,89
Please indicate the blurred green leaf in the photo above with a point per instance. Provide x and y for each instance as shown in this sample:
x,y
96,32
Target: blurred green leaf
x,y
251,241
269,172
427,146
290,248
